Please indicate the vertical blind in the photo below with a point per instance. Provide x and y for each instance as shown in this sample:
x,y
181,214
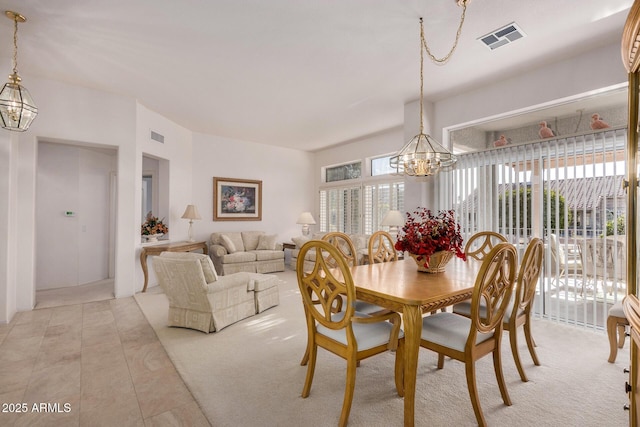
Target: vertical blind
x,y
567,191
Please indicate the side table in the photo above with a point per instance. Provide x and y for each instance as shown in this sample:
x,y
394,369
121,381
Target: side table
x,y
169,247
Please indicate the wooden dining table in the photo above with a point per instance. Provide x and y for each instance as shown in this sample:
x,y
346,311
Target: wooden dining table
x,y
400,287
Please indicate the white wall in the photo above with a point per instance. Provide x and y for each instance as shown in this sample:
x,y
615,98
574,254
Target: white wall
x,y
71,114
72,250
287,184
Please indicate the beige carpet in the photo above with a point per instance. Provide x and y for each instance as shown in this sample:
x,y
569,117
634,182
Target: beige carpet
x,y
248,374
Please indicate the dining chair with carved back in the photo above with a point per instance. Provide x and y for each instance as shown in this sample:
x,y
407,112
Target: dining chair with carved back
x,y
468,339
349,334
518,314
480,244
346,251
381,248
342,242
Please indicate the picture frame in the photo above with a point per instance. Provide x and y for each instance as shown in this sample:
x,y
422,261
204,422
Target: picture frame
x,y
237,199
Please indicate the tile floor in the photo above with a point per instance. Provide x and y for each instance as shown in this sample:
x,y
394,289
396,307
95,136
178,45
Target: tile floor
x,y
100,362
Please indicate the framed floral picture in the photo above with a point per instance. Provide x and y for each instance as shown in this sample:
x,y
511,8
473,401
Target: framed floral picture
x,y
237,199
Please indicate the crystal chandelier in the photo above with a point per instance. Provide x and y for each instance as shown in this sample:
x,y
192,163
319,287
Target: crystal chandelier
x,y
17,109
423,155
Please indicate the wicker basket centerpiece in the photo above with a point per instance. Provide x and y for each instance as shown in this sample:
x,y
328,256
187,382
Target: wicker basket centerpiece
x,y
436,262
431,239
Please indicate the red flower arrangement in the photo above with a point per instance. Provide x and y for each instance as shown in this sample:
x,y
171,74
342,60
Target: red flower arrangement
x,y
424,234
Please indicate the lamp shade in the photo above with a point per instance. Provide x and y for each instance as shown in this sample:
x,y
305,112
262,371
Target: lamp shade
x,y
393,219
306,218
191,212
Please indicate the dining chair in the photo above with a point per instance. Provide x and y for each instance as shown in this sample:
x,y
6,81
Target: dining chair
x,y
616,329
351,335
468,339
603,260
342,242
561,262
381,248
346,251
480,244
518,313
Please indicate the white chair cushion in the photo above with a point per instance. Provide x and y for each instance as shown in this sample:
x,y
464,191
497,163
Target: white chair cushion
x,y
449,330
616,310
367,335
464,309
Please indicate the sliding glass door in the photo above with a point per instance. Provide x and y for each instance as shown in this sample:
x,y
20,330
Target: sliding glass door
x,y
567,191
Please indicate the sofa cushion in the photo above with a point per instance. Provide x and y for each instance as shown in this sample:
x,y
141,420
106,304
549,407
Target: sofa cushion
x,y
250,239
266,255
267,242
299,241
228,244
208,269
238,257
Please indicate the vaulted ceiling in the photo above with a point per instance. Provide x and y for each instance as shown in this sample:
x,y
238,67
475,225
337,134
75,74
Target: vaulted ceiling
x,y
295,73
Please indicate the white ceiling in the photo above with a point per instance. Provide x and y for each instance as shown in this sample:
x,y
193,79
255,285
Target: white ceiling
x,y
295,73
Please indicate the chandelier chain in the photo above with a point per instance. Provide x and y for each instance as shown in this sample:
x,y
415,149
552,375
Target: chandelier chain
x,y
423,43
455,43
15,45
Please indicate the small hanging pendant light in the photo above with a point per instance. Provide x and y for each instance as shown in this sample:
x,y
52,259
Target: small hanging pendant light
x,y
17,109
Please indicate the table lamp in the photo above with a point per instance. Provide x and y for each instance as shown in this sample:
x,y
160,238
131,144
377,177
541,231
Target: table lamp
x,y
191,213
393,219
305,219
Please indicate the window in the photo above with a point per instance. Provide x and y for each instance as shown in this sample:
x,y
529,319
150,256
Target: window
x,y
343,172
381,166
380,199
359,209
340,210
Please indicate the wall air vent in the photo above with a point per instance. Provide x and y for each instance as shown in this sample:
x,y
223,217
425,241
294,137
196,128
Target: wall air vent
x,y
502,36
157,137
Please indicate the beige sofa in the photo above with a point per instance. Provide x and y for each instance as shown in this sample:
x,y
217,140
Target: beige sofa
x,y
199,299
248,251
360,242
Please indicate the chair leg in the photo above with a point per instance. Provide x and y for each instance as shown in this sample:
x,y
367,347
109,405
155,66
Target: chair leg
x,y
513,339
530,342
305,358
622,333
470,370
440,360
311,367
349,389
612,324
497,366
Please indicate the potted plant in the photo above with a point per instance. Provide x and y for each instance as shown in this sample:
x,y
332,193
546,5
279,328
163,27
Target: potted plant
x,y
153,228
431,239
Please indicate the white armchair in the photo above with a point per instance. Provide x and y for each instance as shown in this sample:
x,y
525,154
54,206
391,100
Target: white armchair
x,y
199,299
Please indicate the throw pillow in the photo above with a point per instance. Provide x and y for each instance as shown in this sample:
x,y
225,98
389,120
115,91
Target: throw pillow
x,y
299,241
228,244
267,242
208,269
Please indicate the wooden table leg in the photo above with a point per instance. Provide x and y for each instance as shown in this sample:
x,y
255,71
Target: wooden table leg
x,y
143,263
412,317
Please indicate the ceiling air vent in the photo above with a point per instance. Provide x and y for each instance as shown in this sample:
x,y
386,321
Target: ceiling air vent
x,y
502,36
157,137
